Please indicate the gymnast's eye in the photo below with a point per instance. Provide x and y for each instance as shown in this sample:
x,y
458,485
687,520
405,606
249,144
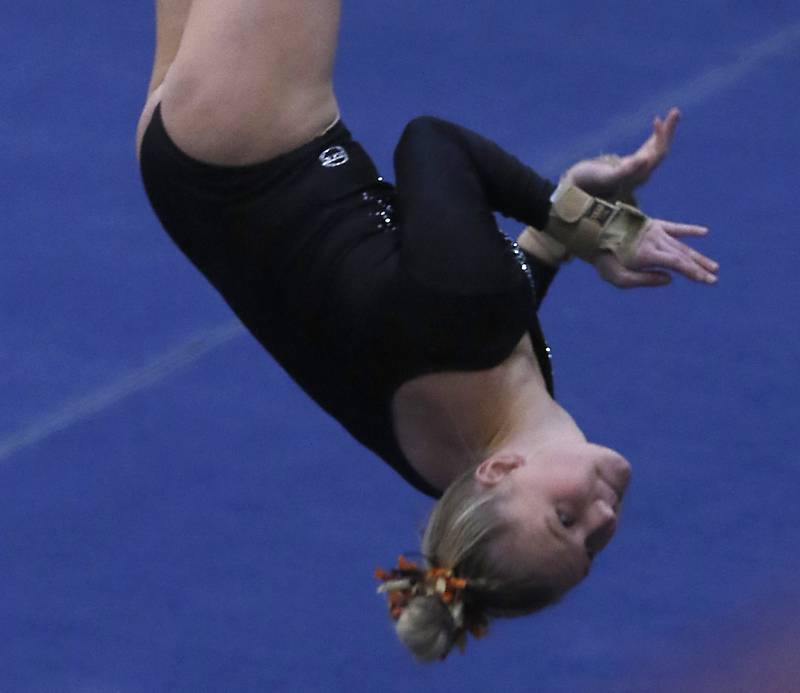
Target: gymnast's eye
x,y
565,519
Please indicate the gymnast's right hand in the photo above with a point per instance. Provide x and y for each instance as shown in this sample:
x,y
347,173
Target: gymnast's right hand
x,y
657,253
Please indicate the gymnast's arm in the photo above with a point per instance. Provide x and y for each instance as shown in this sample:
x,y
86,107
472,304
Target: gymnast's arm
x,y
450,181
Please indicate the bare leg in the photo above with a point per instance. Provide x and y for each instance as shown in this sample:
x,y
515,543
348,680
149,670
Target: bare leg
x,y
252,78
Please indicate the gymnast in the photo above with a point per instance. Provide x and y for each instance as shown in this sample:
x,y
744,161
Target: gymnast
x,y
402,310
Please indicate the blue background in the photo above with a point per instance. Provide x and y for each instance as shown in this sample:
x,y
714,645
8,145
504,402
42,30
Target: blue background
x,y
176,516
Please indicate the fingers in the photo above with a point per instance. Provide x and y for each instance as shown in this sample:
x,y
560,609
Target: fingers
x,y
659,249
652,152
628,172
682,261
664,130
657,145
705,262
674,229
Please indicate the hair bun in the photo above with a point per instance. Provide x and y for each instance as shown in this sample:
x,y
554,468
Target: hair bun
x,y
426,628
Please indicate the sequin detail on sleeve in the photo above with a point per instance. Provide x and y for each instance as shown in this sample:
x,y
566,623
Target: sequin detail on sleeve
x,y
522,261
383,210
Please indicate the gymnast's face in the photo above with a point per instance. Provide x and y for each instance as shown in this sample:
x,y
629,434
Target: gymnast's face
x,y
562,506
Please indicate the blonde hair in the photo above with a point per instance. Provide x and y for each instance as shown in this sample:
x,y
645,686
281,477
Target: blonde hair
x,y
461,530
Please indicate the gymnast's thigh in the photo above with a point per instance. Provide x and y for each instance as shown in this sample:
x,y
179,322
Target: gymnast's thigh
x,y
252,79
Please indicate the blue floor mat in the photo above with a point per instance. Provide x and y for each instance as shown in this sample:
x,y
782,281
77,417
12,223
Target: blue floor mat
x,y
172,505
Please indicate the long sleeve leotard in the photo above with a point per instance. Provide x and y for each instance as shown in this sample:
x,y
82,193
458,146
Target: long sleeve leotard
x,y
356,286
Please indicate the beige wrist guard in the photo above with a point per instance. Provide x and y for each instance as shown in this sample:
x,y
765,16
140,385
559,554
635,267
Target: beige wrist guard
x,y
586,225
541,246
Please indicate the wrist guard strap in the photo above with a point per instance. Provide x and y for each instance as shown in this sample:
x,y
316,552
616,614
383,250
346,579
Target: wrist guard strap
x,y
587,225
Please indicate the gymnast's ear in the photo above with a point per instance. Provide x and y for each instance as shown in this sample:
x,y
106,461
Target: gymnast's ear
x,y
492,471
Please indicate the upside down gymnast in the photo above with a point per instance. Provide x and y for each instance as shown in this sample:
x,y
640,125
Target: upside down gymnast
x,y
401,309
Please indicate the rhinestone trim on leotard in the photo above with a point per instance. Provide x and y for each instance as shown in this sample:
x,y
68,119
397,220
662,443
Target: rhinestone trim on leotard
x,y
384,210
522,261
384,214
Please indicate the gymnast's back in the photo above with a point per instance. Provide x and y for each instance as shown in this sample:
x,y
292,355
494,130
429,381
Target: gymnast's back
x,y
353,286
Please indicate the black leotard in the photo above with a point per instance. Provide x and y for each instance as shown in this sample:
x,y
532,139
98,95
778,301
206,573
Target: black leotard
x,y
352,285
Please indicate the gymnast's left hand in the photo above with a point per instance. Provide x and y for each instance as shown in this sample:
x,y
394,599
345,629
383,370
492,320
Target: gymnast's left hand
x,y
615,178
658,253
